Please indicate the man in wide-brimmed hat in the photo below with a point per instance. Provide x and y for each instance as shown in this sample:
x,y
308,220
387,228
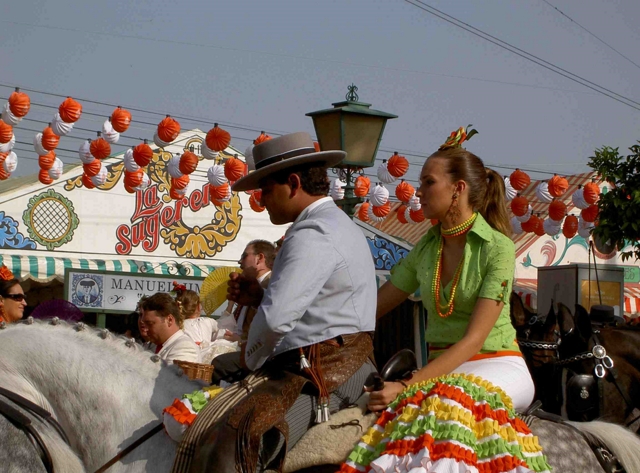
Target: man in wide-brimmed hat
x,y
314,322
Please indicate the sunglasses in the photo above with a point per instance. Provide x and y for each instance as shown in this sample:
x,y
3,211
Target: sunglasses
x,y
16,297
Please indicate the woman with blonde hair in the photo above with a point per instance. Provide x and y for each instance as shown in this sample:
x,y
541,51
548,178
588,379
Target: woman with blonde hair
x,y
199,329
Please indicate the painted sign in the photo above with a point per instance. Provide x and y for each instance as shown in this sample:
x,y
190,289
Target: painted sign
x,y
94,291
609,293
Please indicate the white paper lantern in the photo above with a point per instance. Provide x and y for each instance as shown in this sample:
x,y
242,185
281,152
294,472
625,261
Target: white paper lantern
x,y
206,152
516,226
407,215
56,170
59,126
527,215
414,203
6,147
101,177
10,162
129,163
337,189
8,117
248,158
542,193
173,167
373,217
159,143
37,145
509,191
578,199
585,232
551,227
384,175
379,195
85,152
215,175
109,134
144,184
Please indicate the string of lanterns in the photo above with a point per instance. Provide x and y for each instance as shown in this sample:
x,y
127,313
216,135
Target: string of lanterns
x,y
14,110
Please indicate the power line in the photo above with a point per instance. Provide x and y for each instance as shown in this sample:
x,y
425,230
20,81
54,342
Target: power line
x,y
524,54
592,34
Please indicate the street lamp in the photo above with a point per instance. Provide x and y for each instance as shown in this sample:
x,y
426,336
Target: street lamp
x,y
353,127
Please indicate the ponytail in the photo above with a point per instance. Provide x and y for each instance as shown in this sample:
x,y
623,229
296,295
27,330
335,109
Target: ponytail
x,y
494,207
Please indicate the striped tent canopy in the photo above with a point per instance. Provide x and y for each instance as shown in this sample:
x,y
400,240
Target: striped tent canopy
x,y
47,268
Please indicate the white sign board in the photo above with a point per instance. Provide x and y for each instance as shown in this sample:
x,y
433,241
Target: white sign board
x,y
95,291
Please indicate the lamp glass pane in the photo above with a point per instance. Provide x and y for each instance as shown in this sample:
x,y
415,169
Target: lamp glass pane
x,y
328,131
361,136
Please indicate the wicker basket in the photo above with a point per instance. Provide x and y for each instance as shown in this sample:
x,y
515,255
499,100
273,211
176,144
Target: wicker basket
x,y
196,370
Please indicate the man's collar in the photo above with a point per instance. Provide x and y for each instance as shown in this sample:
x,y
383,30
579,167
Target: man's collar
x,y
305,213
172,337
261,278
480,228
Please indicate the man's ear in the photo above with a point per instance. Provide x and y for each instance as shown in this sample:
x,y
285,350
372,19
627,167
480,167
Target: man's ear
x,y
294,183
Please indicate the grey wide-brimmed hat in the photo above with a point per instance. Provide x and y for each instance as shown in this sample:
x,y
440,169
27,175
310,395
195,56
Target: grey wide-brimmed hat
x,y
284,152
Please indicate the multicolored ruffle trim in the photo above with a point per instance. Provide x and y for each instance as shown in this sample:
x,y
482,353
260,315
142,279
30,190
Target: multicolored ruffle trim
x,y
180,415
448,424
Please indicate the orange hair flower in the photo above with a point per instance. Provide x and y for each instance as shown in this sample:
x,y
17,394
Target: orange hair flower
x,y
456,138
5,273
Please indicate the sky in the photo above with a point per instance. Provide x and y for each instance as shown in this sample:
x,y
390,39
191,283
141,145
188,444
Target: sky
x,y
255,66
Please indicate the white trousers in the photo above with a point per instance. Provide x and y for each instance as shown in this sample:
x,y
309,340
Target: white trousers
x,y
509,373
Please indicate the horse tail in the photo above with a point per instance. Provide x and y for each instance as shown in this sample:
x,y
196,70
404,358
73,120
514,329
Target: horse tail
x,y
623,443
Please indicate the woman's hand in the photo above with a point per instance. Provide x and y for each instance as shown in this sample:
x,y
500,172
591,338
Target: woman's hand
x,y
379,400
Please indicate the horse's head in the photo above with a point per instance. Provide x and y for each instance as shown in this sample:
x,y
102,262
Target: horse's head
x,y
521,316
575,330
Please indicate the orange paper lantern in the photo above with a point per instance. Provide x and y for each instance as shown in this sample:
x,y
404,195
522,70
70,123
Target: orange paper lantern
x,y
570,226
181,182
557,210
558,185
100,148
362,185
262,138
539,228
188,162
87,182
19,104
168,129
400,214
6,132
316,146
382,210
46,161
142,154
50,140
519,206
217,139
4,174
43,176
174,194
70,110
404,191
434,222
120,120
93,168
519,180
530,225
363,212
219,192
590,214
397,165
417,215
130,190
133,179
591,193
233,169
255,204
3,156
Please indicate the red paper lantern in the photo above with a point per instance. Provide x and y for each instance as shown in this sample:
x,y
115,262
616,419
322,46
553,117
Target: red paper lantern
x,y
46,161
6,132
19,104
70,110
570,226
181,182
50,140
362,186
416,215
168,129
188,162
519,206
400,214
363,212
261,138
142,154
217,139
87,182
530,225
100,148
133,179
233,169
557,210
93,168
539,228
590,214
404,191
43,176
397,165
120,120
382,210
591,193
219,192
519,180
558,185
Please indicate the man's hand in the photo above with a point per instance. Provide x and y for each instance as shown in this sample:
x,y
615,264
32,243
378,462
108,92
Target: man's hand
x,y
243,290
379,400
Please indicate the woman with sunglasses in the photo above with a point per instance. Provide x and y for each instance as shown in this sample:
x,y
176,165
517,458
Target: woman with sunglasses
x,y
12,298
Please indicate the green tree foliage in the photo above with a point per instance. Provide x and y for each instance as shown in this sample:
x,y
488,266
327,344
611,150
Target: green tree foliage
x,y
619,219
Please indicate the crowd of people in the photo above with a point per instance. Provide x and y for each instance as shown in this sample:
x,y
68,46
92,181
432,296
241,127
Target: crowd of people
x,y
304,319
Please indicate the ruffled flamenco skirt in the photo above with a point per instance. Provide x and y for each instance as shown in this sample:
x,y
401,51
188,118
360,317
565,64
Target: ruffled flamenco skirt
x,y
452,424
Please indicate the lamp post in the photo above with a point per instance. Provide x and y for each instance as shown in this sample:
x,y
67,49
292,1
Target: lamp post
x,y
353,127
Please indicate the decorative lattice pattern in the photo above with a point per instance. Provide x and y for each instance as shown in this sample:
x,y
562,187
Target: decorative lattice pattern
x,y
51,219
